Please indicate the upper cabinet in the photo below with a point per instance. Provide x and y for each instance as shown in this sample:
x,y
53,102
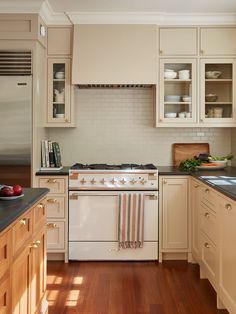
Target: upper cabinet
x,y
114,54
218,41
178,41
59,41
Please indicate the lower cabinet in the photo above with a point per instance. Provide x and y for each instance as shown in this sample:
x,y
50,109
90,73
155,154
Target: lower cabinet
x,y
5,296
174,217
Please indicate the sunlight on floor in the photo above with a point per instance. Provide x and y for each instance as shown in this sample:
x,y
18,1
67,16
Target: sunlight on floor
x,y
54,280
78,280
72,298
52,297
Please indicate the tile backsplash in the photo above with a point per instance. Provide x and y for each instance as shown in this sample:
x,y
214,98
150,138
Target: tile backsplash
x,y
117,126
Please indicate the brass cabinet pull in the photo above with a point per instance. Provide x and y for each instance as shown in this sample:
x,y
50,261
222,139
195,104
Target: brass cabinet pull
x,y
207,215
38,242
52,200
196,185
161,51
40,205
228,206
52,181
207,245
23,221
51,225
207,191
33,246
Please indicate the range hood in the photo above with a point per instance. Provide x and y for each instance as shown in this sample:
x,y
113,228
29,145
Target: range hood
x,y
114,56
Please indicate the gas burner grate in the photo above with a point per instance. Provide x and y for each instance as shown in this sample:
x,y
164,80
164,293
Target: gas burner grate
x,y
79,166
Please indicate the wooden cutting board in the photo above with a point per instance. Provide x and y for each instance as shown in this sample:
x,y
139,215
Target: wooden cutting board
x,y
182,151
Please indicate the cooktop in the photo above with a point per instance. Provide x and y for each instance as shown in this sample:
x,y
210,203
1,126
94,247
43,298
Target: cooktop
x,y
79,166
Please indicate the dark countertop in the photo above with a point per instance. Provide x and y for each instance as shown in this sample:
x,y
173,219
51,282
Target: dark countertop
x,y
63,172
210,177
11,210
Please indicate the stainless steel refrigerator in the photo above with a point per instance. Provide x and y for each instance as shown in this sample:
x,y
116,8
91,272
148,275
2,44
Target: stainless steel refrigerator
x,y
15,129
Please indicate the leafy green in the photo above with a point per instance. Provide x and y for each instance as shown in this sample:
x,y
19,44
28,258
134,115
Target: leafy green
x,y
190,164
228,157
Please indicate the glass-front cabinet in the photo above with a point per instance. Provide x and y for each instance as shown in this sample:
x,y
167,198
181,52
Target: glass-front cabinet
x,y
177,96
59,109
217,82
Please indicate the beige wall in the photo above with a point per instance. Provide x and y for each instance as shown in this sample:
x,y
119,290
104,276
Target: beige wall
x,y
116,126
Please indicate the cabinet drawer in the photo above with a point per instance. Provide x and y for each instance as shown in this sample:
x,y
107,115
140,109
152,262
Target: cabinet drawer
x,y
56,206
39,214
21,231
55,185
209,258
208,222
55,235
5,250
209,197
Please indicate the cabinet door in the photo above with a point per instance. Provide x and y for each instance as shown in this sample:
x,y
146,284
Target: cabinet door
x,y
218,87
218,41
227,254
59,41
5,296
177,103
175,213
195,209
21,270
56,235
38,283
59,111
178,41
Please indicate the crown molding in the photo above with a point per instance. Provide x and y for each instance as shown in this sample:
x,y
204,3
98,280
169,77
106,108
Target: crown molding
x,y
23,6
159,18
52,18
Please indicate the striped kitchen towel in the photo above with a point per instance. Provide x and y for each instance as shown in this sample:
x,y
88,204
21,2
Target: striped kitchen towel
x,y
131,220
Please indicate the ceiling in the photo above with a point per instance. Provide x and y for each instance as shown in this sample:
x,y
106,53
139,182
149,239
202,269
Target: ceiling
x,y
168,6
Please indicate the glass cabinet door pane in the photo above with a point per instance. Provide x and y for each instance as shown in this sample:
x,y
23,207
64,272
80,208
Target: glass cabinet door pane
x,y
58,90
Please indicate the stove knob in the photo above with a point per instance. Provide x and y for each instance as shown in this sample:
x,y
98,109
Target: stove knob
x,y
83,181
123,181
143,181
113,181
93,181
133,181
103,181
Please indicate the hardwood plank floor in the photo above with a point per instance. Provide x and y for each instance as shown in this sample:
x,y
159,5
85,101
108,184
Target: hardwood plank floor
x,y
173,287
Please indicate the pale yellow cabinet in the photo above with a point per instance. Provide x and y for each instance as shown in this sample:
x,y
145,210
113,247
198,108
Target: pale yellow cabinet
x,y
59,109
178,41
57,215
177,103
114,54
217,41
59,41
217,92
227,253
174,215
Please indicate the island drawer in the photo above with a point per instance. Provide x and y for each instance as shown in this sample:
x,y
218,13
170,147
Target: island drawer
x,y
56,206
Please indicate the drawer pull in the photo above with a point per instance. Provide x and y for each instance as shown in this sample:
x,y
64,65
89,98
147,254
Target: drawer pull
x,y
40,205
152,197
207,191
33,246
52,200
52,181
51,225
207,215
196,185
23,221
37,242
228,207
207,245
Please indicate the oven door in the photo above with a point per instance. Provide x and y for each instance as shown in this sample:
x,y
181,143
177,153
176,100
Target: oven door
x,y
93,221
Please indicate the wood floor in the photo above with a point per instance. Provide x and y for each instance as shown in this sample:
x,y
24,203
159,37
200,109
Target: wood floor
x,y
173,287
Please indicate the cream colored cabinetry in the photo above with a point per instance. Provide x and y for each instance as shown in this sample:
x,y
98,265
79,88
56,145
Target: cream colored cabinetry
x,y
217,94
28,268
217,41
177,95
227,253
178,41
57,215
59,41
174,216
114,54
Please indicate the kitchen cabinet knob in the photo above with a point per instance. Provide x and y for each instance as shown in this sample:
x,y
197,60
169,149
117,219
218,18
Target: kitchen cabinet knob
x,y
196,186
66,120
161,51
23,221
52,181
52,200
207,215
201,120
201,51
165,181
207,245
51,225
207,191
33,246
228,207
38,242
40,205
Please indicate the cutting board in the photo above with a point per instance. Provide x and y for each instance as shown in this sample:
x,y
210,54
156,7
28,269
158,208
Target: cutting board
x,y
182,151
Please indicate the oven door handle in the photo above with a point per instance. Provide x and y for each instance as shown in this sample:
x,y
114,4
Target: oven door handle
x,y
74,196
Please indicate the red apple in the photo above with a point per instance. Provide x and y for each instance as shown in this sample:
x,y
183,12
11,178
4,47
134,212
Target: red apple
x,y
17,190
7,191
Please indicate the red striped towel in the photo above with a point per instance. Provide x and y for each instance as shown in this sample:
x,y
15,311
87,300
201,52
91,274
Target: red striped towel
x,y
131,220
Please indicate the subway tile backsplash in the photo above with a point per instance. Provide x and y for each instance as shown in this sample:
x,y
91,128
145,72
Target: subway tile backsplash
x,y
117,126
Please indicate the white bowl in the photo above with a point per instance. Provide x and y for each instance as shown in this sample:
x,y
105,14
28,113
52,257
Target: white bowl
x,y
170,75
60,75
172,98
220,162
213,74
170,115
186,98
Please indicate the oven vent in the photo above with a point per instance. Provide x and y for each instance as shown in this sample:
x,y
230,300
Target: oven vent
x,y
114,86
15,63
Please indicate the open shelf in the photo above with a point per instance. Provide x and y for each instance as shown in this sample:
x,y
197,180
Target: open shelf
x,y
218,103
177,102
177,80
